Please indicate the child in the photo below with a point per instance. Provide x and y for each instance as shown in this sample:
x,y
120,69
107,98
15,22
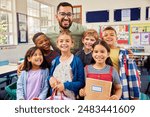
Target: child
x,y
32,83
43,42
122,63
67,72
89,38
101,68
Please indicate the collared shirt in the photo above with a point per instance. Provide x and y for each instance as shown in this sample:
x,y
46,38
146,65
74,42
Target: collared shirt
x,y
130,85
76,32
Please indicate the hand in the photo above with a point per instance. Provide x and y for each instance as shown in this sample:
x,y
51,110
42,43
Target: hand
x,y
60,87
131,55
82,92
20,67
114,97
53,82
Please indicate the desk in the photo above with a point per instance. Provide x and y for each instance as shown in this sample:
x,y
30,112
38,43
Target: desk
x,y
8,69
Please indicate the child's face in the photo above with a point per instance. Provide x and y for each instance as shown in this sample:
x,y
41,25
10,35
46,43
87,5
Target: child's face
x,y
64,43
100,54
88,41
42,42
110,37
36,59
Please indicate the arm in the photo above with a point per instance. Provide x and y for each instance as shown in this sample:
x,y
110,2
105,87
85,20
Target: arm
x,y
134,86
117,86
20,86
118,92
20,67
44,86
130,53
78,77
52,81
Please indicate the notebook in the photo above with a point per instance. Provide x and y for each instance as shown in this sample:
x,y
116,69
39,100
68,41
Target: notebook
x,y
97,89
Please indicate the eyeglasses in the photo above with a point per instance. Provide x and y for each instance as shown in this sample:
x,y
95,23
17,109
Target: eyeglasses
x,y
63,14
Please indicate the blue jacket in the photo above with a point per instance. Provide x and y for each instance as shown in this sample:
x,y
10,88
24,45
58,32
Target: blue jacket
x,y
21,85
78,80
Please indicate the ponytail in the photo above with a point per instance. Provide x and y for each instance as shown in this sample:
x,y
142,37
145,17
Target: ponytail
x,y
109,61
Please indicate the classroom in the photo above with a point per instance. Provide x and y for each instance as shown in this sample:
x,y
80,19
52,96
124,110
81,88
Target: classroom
x,y
20,20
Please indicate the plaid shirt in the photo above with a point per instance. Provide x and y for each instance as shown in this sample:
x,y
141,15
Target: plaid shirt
x,y
129,80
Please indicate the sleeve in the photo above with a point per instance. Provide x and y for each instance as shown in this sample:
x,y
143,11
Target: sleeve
x,y
133,80
78,81
52,68
116,79
45,85
20,86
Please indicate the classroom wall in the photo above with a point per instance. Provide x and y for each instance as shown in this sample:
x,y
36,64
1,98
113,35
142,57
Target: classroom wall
x,y
95,5
14,53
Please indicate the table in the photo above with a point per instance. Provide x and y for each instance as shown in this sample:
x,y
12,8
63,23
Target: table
x,y
6,70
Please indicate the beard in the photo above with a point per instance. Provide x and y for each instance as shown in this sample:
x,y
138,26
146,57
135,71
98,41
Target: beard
x,y
65,27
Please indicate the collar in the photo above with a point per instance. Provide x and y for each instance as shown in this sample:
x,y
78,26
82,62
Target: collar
x,y
86,52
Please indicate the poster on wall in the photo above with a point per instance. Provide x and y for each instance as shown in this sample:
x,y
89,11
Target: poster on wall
x,y
145,38
22,28
136,38
122,33
144,30
125,15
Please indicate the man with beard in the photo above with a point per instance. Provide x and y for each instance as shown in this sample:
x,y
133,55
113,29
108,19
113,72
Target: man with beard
x,y
64,17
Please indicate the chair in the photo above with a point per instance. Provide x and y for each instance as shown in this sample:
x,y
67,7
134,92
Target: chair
x,y
11,91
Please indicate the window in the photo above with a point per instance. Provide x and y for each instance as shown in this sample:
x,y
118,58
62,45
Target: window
x,y
40,17
77,14
6,22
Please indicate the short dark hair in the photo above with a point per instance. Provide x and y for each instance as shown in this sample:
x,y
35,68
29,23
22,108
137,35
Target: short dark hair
x,y
37,35
110,28
64,4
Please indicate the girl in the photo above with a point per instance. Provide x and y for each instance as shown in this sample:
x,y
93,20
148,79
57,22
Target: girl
x,y
101,68
121,61
67,72
89,38
43,42
32,83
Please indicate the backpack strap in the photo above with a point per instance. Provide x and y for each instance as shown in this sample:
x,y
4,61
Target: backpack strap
x,y
111,70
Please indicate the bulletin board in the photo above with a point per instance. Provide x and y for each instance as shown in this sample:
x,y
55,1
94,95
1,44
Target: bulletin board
x,y
132,14
122,33
97,16
147,13
140,34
